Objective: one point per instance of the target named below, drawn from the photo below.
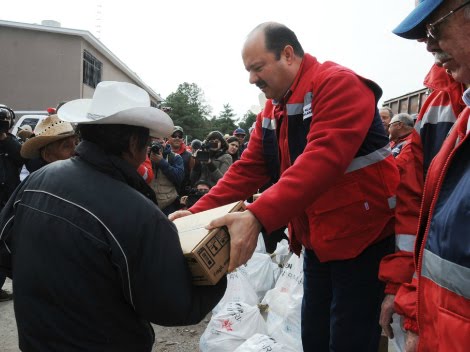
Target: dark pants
(341, 303)
(2, 280)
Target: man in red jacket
(320, 140)
(398, 268)
(436, 304)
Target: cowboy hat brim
(30, 149)
(157, 121)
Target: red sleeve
(405, 305)
(398, 268)
(145, 170)
(343, 109)
(395, 270)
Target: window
(91, 69)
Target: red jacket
(439, 112)
(337, 192)
(437, 303)
(398, 268)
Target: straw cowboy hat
(118, 103)
(49, 130)
(25, 132)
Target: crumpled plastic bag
(239, 289)
(261, 273)
(235, 323)
(283, 305)
(262, 343)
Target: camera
(193, 196)
(156, 147)
(203, 154)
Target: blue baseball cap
(239, 131)
(414, 25)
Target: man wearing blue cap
(436, 305)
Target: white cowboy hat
(49, 130)
(118, 103)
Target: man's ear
(288, 53)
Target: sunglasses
(432, 29)
(177, 135)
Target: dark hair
(233, 139)
(219, 136)
(277, 36)
(114, 139)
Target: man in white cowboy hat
(97, 261)
(53, 140)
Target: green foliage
(188, 109)
(225, 121)
(247, 121)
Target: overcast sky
(174, 41)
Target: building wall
(110, 72)
(409, 103)
(38, 69)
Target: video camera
(204, 154)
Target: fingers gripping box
(207, 252)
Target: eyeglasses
(240, 135)
(180, 136)
(432, 28)
(393, 123)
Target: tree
(247, 120)
(188, 109)
(225, 121)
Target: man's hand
(386, 313)
(411, 342)
(244, 230)
(178, 214)
(3, 136)
(156, 157)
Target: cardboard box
(207, 252)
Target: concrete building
(42, 65)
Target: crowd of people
(377, 201)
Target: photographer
(212, 160)
(168, 169)
(200, 188)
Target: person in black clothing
(94, 259)
(10, 166)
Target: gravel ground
(175, 339)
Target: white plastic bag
(232, 326)
(284, 304)
(282, 253)
(262, 343)
(239, 289)
(260, 246)
(261, 273)
(398, 340)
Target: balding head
(272, 55)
